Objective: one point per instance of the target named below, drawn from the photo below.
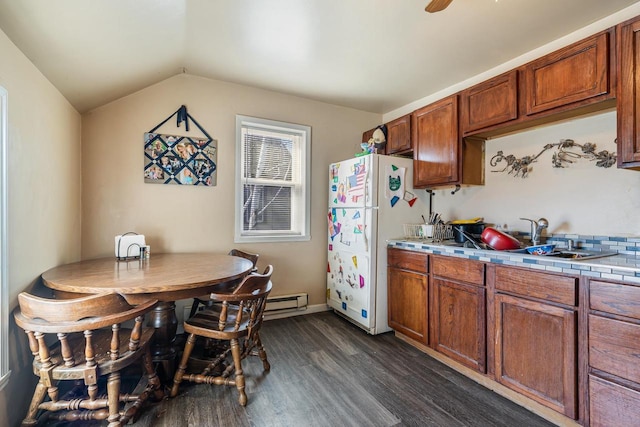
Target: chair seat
(102, 343)
(206, 324)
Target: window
(272, 180)
(4, 285)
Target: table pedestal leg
(163, 319)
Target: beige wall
(182, 219)
(44, 199)
(580, 198)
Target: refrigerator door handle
(366, 241)
(367, 196)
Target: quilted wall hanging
(181, 160)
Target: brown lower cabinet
(522, 329)
(407, 293)
(458, 310)
(535, 351)
(614, 354)
(536, 336)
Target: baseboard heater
(284, 303)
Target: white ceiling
(373, 55)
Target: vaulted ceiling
(373, 55)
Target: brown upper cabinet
(628, 34)
(575, 80)
(490, 103)
(399, 135)
(440, 156)
(436, 143)
(447, 136)
(576, 75)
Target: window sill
(271, 239)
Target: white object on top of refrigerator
(370, 198)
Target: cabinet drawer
(611, 404)
(458, 269)
(560, 289)
(615, 298)
(408, 260)
(614, 347)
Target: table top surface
(161, 274)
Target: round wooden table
(165, 277)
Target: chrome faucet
(536, 229)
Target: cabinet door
(436, 144)
(489, 103)
(407, 303)
(628, 101)
(399, 135)
(535, 351)
(576, 73)
(611, 404)
(458, 314)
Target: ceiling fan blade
(437, 5)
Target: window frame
(4, 283)
(302, 231)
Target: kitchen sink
(579, 254)
(575, 254)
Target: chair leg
(261, 352)
(113, 399)
(153, 380)
(239, 375)
(177, 379)
(153, 390)
(38, 397)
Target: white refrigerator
(370, 199)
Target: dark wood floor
(327, 372)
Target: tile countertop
(622, 267)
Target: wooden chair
(90, 344)
(237, 320)
(205, 300)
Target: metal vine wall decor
(565, 154)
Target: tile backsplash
(621, 245)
